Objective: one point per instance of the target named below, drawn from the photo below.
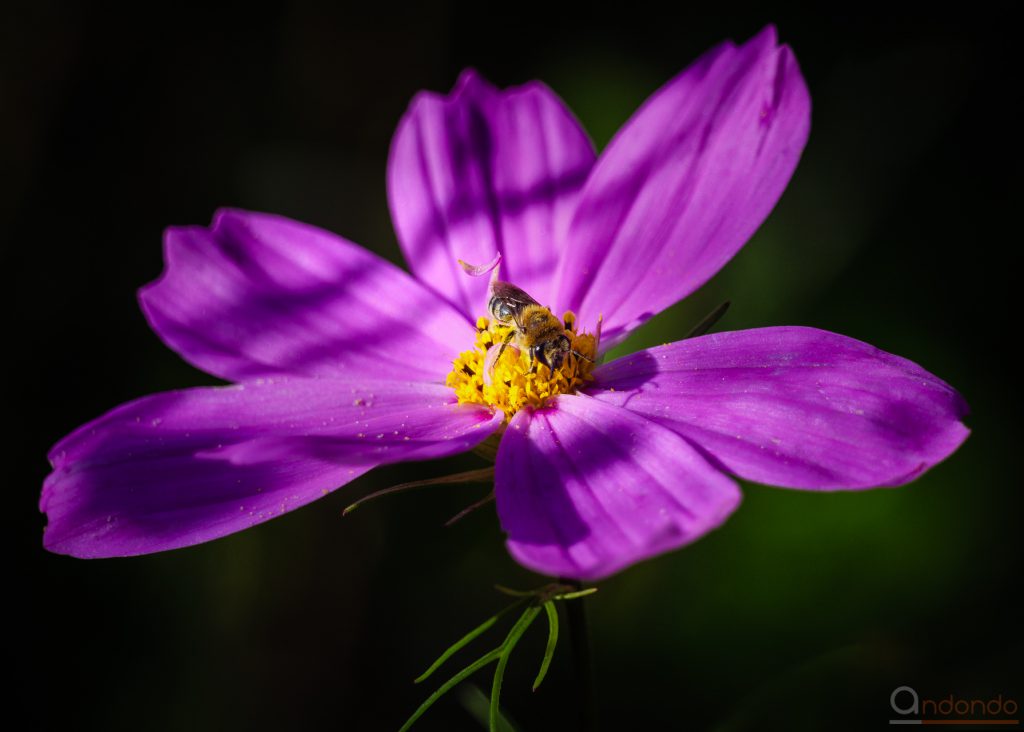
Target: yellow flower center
(515, 380)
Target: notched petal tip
(470, 80)
(469, 86)
(686, 182)
(257, 294)
(481, 170)
(767, 37)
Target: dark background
(803, 612)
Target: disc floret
(513, 380)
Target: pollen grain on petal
(511, 381)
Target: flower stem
(579, 638)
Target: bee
(535, 329)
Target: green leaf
(524, 622)
(549, 651)
(576, 594)
(455, 647)
(452, 682)
(499, 675)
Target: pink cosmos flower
(340, 359)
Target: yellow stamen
(515, 382)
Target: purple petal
(179, 468)
(259, 295)
(585, 489)
(685, 183)
(481, 172)
(794, 407)
(479, 270)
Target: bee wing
(511, 294)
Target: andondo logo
(952, 710)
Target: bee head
(501, 310)
(552, 353)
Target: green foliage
(549, 650)
(535, 601)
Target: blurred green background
(803, 612)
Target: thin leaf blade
(549, 650)
(521, 626)
(451, 683)
(465, 640)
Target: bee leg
(492, 357)
(493, 354)
(504, 344)
(533, 360)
